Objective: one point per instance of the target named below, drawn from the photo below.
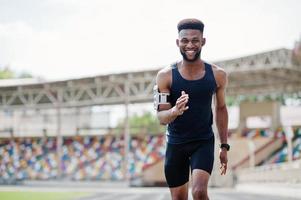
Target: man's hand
(180, 106)
(224, 160)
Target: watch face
(226, 146)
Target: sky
(62, 39)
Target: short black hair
(191, 23)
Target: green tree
(6, 73)
(147, 123)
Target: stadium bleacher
(102, 157)
(83, 157)
(281, 155)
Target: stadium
(59, 133)
(77, 98)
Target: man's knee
(199, 193)
(179, 197)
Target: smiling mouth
(190, 52)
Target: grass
(42, 195)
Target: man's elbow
(221, 108)
(163, 123)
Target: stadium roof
(264, 73)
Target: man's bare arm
(166, 112)
(221, 108)
(222, 116)
(166, 116)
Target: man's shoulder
(220, 75)
(164, 75)
(166, 70)
(218, 70)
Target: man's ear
(177, 41)
(203, 41)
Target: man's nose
(189, 44)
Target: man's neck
(192, 66)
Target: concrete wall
(283, 172)
(251, 109)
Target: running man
(183, 101)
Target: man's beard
(197, 56)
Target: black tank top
(196, 122)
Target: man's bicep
(163, 87)
(221, 90)
(220, 97)
(162, 83)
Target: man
(183, 101)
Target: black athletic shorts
(180, 157)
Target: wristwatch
(226, 146)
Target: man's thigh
(176, 165)
(203, 156)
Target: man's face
(190, 43)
